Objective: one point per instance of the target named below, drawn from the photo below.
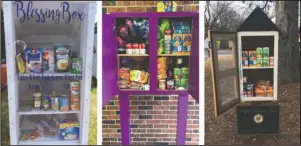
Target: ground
(221, 130)
(4, 118)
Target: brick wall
(153, 118)
(146, 6)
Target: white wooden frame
(86, 47)
(275, 70)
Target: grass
(221, 130)
(5, 127)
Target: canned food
(184, 83)
(177, 83)
(37, 100)
(75, 88)
(271, 62)
(162, 84)
(184, 72)
(265, 61)
(177, 73)
(54, 103)
(46, 103)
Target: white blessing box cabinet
(43, 24)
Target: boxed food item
(187, 42)
(259, 62)
(54, 103)
(139, 76)
(252, 58)
(62, 57)
(48, 60)
(64, 103)
(33, 57)
(259, 52)
(245, 57)
(124, 74)
(68, 130)
(177, 42)
(76, 65)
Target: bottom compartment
(49, 129)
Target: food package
(143, 77)
(62, 58)
(259, 52)
(187, 42)
(245, 61)
(33, 57)
(48, 60)
(20, 63)
(139, 76)
(64, 103)
(124, 74)
(76, 65)
(75, 88)
(161, 68)
(252, 58)
(259, 62)
(123, 84)
(266, 52)
(260, 92)
(265, 61)
(177, 40)
(68, 130)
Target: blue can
(64, 103)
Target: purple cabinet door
(109, 60)
(193, 89)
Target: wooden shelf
(49, 112)
(133, 55)
(268, 67)
(177, 54)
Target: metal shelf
(49, 76)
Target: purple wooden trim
(193, 89)
(109, 60)
(125, 119)
(153, 14)
(153, 53)
(182, 118)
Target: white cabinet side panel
(87, 48)
(276, 39)
(11, 70)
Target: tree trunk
(289, 53)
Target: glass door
(225, 70)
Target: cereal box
(69, 130)
(33, 57)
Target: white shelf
(258, 67)
(243, 98)
(49, 112)
(50, 140)
(49, 76)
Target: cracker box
(245, 60)
(187, 42)
(69, 130)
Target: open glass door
(224, 70)
(109, 60)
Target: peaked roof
(258, 21)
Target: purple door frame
(124, 95)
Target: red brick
(139, 112)
(105, 126)
(153, 102)
(153, 121)
(150, 9)
(160, 116)
(108, 112)
(138, 102)
(193, 126)
(190, 112)
(189, 121)
(139, 139)
(133, 117)
(146, 135)
(145, 3)
(114, 126)
(113, 117)
(168, 139)
(137, 121)
(154, 112)
(161, 135)
(105, 135)
(173, 98)
(106, 143)
(193, 117)
(169, 130)
(115, 135)
(153, 139)
(173, 116)
(193, 107)
(116, 143)
(113, 107)
(109, 130)
(108, 3)
(160, 126)
(170, 102)
(125, 3)
(169, 121)
(133, 98)
(189, 131)
(134, 135)
(146, 98)
(116, 9)
(146, 126)
(195, 121)
(170, 112)
(172, 126)
(138, 130)
(153, 130)
(173, 107)
(133, 107)
(161, 107)
(104, 117)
